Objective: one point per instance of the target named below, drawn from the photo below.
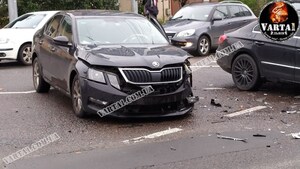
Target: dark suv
(101, 57)
(201, 24)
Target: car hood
(137, 56)
(17, 34)
(181, 25)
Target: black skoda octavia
(101, 57)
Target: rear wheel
(204, 46)
(40, 85)
(245, 73)
(77, 99)
(24, 55)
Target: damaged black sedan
(100, 57)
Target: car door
(62, 55)
(219, 23)
(297, 64)
(158, 26)
(46, 43)
(237, 17)
(277, 59)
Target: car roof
(43, 12)
(95, 12)
(213, 3)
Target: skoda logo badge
(155, 64)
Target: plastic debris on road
(212, 102)
(231, 138)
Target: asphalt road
(192, 142)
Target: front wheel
(204, 46)
(245, 73)
(24, 55)
(77, 98)
(40, 85)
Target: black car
(260, 59)
(201, 24)
(100, 57)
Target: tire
(204, 46)
(24, 55)
(245, 73)
(77, 99)
(40, 85)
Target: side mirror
(62, 41)
(178, 42)
(170, 18)
(216, 19)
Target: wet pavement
(26, 117)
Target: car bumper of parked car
(7, 52)
(223, 61)
(97, 96)
(191, 43)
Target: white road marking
(213, 66)
(213, 88)
(246, 111)
(26, 92)
(154, 135)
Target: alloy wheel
(243, 72)
(77, 102)
(36, 75)
(26, 54)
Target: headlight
(96, 75)
(4, 40)
(185, 33)
(114, 81)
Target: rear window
(246, 11)
(236, 11)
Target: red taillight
(222, 38)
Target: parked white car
(16, 37)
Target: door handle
(259, 43)
(244, 20)
(229, 23)
(298, 50)
(53, 49)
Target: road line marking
(213, 66)
(26, 92)
(154, 135)
(213, 88)
(246, 111)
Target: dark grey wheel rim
(26, 54)
(77, 102)
(203, 46)
(243, 72)
(36, 75)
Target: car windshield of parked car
(116, 30)
(26, 21)
(194, 13)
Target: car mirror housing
(217, 19)
(178, 42)
(62, 41)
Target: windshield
(113, 30)
(26, 21)
(195, 12)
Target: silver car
(201, 24)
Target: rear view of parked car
(16, 37)
(260, 59)
(201, 24)
(100, 57)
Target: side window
(52, 28)
(221, 12)
(246, 11)
(256, 28)
(235, 11)
(65, 28)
